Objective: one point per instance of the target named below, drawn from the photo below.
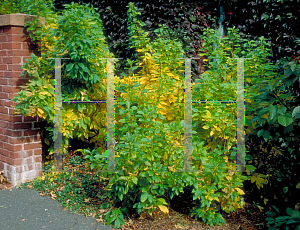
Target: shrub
(276, 128)
(144, 151)
(76, 34)
(291, 221)
(150, 122)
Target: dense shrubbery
(149, 114)
(276, 128)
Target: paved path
(28, 210)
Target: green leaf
(145, 91)
(81, 107)
(96, 78)
(69, 67)
(266, 135)
(292, 221)
(84, 68)
(296, 214)
(260, 132)
(105, 205)
(81, 124)
(264, 16)
(144, 197)
(285, 189)
(117, 223)
(278, 17)
(254, 119)
(120, 195)
(134, 68)
(281, 219)
(296, 111)
(276, 209)
(272, 111)
(282, 110)
(285, 121)
(289, 211)
(263, 111)
(128, 104)
(288, 72)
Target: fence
(20, 141)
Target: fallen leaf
(42, 194)
(163, 208)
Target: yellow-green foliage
(152, 151)
(149, 115)
(76, 34)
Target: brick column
(20, 142)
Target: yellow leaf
(208, 114)
(248, 80)
(217, 128)
(253, 178)
(265, 116)
(176, 77)
(205, 127)
(211, 132)
(298, 185)
(227, 177)
(40, 112)
(226, 159)
(240, 191)
(163, 208)
(44, 93)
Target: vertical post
(110, 116)
(188, 147)
(240, 114)
(57, 118)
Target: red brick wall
(20, 142)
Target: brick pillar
(20, 142)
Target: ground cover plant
(150, 121)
